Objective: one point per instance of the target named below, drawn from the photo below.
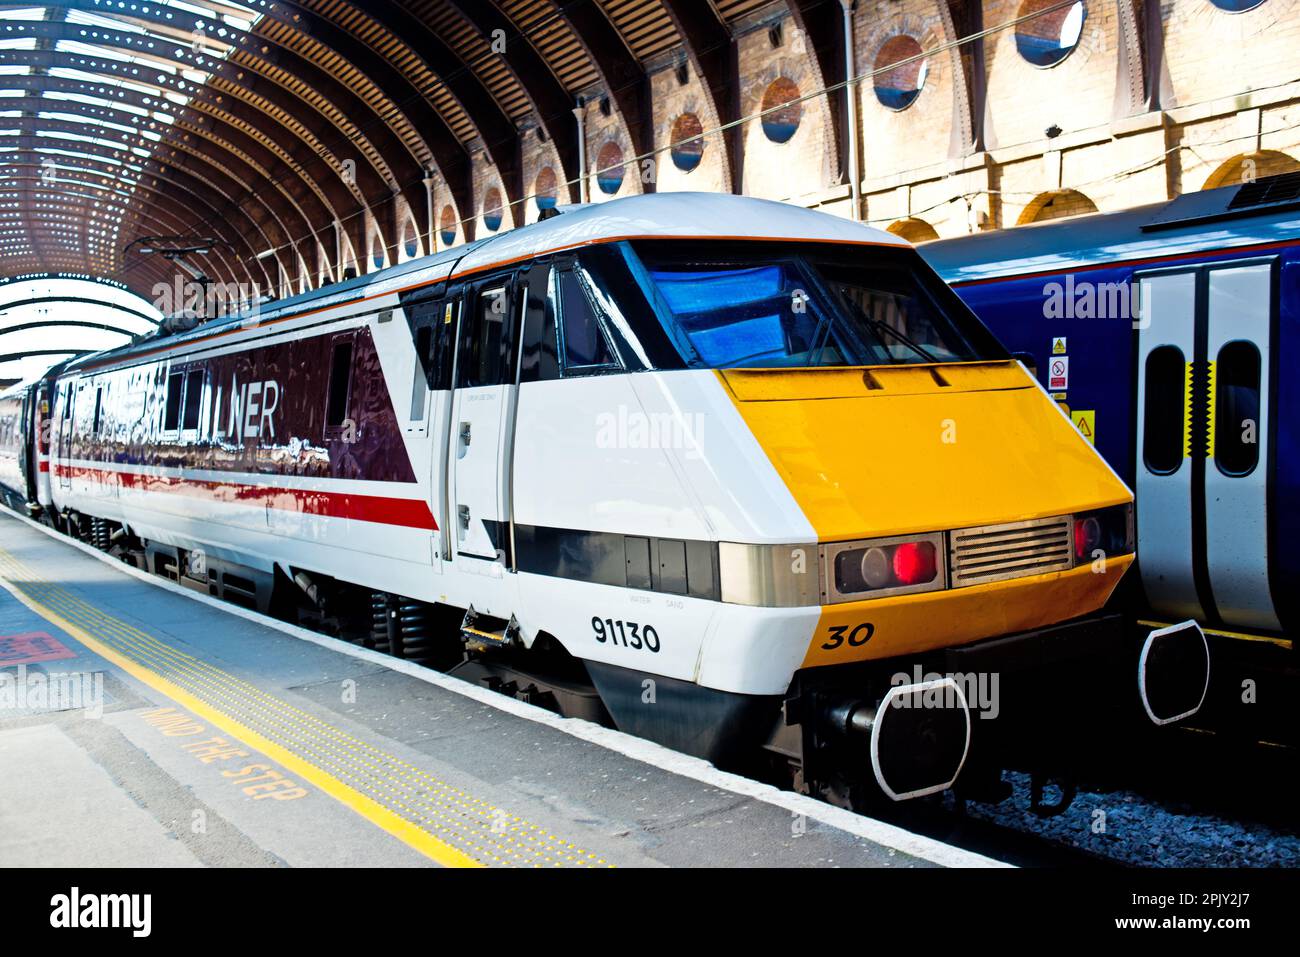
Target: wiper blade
(881, 325)
(819, 337)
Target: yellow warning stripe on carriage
(1187, 411)
(448, 826)
(1209, 413)
(1286, 643)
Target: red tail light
(1087, 536)
(914, 563)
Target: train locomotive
(739, 477)
(1168, 332)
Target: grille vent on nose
(993, 552)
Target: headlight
(1108, 530)
(783, 576)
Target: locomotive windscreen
(760, 305)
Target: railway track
(1204, 799)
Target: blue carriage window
(1236, 413)
(1163, 423)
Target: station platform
(144, 725)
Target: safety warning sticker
(1058, 345)
(1058, 374)
(1085, 420)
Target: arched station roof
(287, 136)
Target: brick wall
(918, 135)
(1229, 97)
(1210, 53)
(805, 164)
(674, 105)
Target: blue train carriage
(1169, 334)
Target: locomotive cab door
(482, 424)
(433, 320)
(1203, 444)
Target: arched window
(782, 97)
(1048, 38)
(900, 72)
(687, 142)
(1056, 204)
(492, 212)
(609, 168)
(914, 230)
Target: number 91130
(626, 633)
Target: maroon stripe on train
(380, 509)
(371, 448)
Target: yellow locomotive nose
(892, 450)
(960, 488)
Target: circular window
(609, 168)
(412, 242)
(782, 98)
(544, 188)
(687, 142)
(900, 72)
(492, 209)
(447, 225)
(1047, 39)
(1236, 6)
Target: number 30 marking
(856, 638)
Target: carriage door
(64, 448)
(433, 318)
(1203, 445)
(482, 423)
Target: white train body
(600, 461)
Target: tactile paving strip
(483, 833)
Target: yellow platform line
(367, 807)
(516, 832)
(516, 839)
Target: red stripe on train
(382, 510)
